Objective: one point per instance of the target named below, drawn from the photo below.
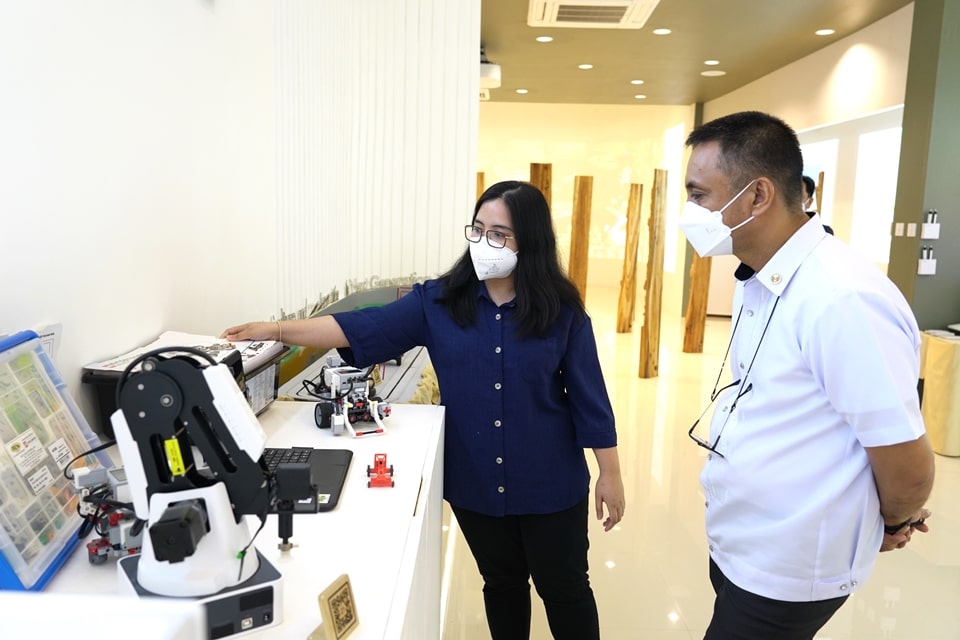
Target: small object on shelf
(380, 474)
(930, 230)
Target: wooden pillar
(695, 321)
(653, 301)
(627, 303)
(541, 177)
(580, 233)
(819, 192)
(480, 187)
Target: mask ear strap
(732, 229)
(740, 193)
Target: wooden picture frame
(338, 610)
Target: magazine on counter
(253, 353)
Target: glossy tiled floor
(650, 573)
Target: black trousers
(550, 548)
(741, 615)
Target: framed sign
(338, 610)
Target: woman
(517, 366)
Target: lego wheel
(391, 469)
(96, 558)
(368, 471)
(392, 483)
(322, 413)
(368, 484)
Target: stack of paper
(254, 353)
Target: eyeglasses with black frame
(496, 239)
(743, 390)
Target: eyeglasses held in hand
(496, 239)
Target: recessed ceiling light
(640, 96)
(824, 32)
(636, 82)
(713, 73)
(544, 39)
(711, 63)
(522, 91)
(585, 66)
(661, 32)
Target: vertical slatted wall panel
(376, 140)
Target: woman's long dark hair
(541, 285)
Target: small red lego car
(382, 474)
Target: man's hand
(900, 539)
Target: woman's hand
(609, 491)
(252, 331)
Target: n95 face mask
(705, 229)
(491, 262)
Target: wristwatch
(894, 528)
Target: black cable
(105, 445)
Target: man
(818, 455)
(809, 189)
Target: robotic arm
(192, 448)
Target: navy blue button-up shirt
(520, 411)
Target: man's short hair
(754, 144)
(810, 185)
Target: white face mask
(705, 229)
(490, 262)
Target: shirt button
(500, 489)
(854, 583)
(496, 423)
(498, 316)
(497, 386)
(709, 456)
(497, 350)
(741, 365)
(499, 460)
(749, 313)
(843, 587)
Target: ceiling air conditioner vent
(590, 14)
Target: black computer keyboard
(273, 456)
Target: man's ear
(764, 193)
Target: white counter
(386, 539)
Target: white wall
(190, 164)
(857, 75)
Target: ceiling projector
(489, 72)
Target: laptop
(328, 469)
